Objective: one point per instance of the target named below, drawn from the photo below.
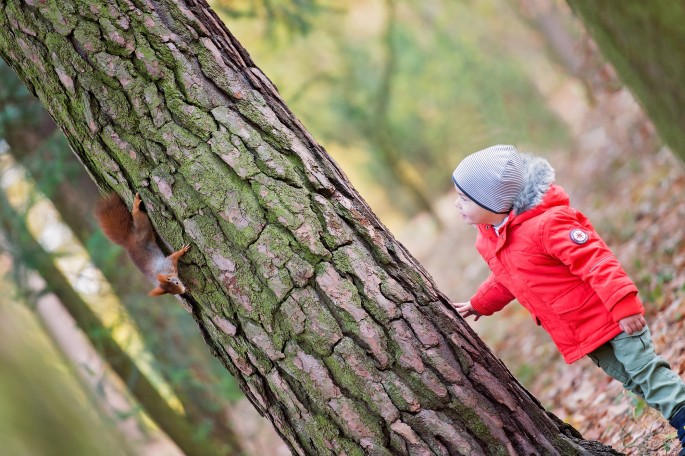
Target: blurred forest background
(397, 91)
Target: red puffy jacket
(552, 260)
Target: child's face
(473, 214)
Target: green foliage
(54, 151)
(413, 87)
(13, 96)
(279, 17)
(13, 234)
(639, 406)
(108, 252)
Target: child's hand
(632, 323)
(465, 309)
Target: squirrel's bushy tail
(114, 218)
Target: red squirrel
(134, 232)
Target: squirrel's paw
(137, 201)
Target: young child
(547, 255)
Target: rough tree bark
(643, 41)
(333, 330)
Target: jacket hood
(539, 176)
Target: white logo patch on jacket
(578, 236)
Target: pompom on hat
(492, 177)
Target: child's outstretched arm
(465, 309)
(490, 297)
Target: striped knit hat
(491, 177)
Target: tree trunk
(643, 41)
(334, 331)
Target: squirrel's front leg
(178, 254)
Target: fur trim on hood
(538, 178)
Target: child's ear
(156, 292)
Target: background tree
(643, 41)
(68, 422)
(332, 329)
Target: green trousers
(631, 360)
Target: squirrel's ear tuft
(156, 292)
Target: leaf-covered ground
(633, 190)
